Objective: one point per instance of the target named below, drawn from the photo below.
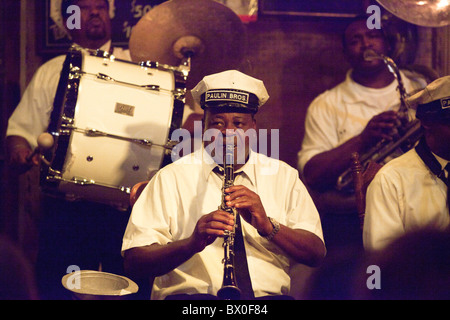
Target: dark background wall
(296, 56)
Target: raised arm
(322, 170)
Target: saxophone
(409, 132)
(229, 289)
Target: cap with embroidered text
(433, 102)
(231, 89)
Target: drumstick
(45, 141)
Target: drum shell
(131, 103)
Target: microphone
(45, 141)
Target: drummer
(81, 234)
(30, 118)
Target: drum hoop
(63, 107)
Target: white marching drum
(111, 123)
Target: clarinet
(229, 289)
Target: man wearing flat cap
(175, 232)
(411, 191)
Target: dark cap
(433, 102)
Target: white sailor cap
(433, 102)
(231, 89)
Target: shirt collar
(106, 47)
(354, 89)
(248, 168)
(442, 161)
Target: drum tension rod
(105, 77)
(96, 133)
(90, 132)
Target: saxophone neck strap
(430, 160)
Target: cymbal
(207, 31)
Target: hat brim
(229, 107)
(433, 111)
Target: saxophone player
(351, 117)
(175, 232)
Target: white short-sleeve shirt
(404, 196)
(180, 193)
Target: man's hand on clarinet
(249, 206)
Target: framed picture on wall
(314, 8)
(124, 15)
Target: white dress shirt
(182, 192)
(32, 115)
(404, 196)
(343, 112)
